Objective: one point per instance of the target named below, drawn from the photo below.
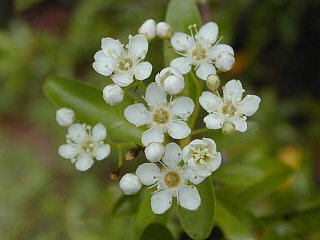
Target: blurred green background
(277, 180)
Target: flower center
(172, 179)
(125, 64)
(201, 154)
(87, 146)
(199, 53)
(229, 108)
(161, 116)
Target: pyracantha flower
(170, 80)
(164, 30)
(154, 152)
(113, 94)
(171, 181)
(130, 184)
(148, 29)
(65, 117)
(123, 64)
(161, 116)
(229, 111)
(201, 51)
(84, 144)
(202, 156)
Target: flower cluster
(171, 170)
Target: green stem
(199, 88)
(199, 131)
(120, 157)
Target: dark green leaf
(198, 224)
(156, 231)
(89, 106)
(126, 205)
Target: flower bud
(113, 94)
(224, 61)
(164, 30)
(170, 80)
(130, 184)
(65, 117)
(154, 152)
(148, 29)
(228, 128)
(213, 82)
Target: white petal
(68, 151)
(215, 163)
(214, 120)
(148, 173)
(183, 64)
(154, 95)
(216, 50)
(161, 201)
(99, 132)
(111, 47)
(210, 102)
(103, 64)
(190, 174)
(143, 70)
(138, 46)
(249, 105)
(172, 156)
(77, 132)
(181, 41)
(211, 144)
(84, 162)
(101, 152)
(137, 114)
(182, 107)
(201, 171)
(154, 134)
(122, 79)
(233, 91)
(189, 197)
(204, 70)
(209, 32)
(239, 123)
(178, 129)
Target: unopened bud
(228, 128)
(113, 94)
(65, 117)
(148, 29)
(213, 82)
(130, 184)
(170, 80)
(164, 30)
(225, 61)
(154, 152)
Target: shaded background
(42, 196)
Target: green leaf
(198, 224)
(156, 231)
(127, 205)
(89, 106)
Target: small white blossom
(130, 184)
(170, 80)
(113, 94)
(164, 30)
(154, 152)
(65, 117)
(161, 116)
(202, 156)
(213, 82)
(229, 109)
(171, 181)
(148, 29)
(84, 144)
(123, 64)
(201, 51)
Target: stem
(199, 88)
(199, 131)
(120, 157)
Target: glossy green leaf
(89, 106)
(198, 224)
(156, 231)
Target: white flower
(65, 117)
(164, 30)
(161, 116)
(113, 94)
(130, 184)
(229, 109)
(148, 29)
(154, 151)
(84, 144)
(171, 181)
(202, 156)
(213, 82)
(123, 64)
(201, 51)
(170, 80)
